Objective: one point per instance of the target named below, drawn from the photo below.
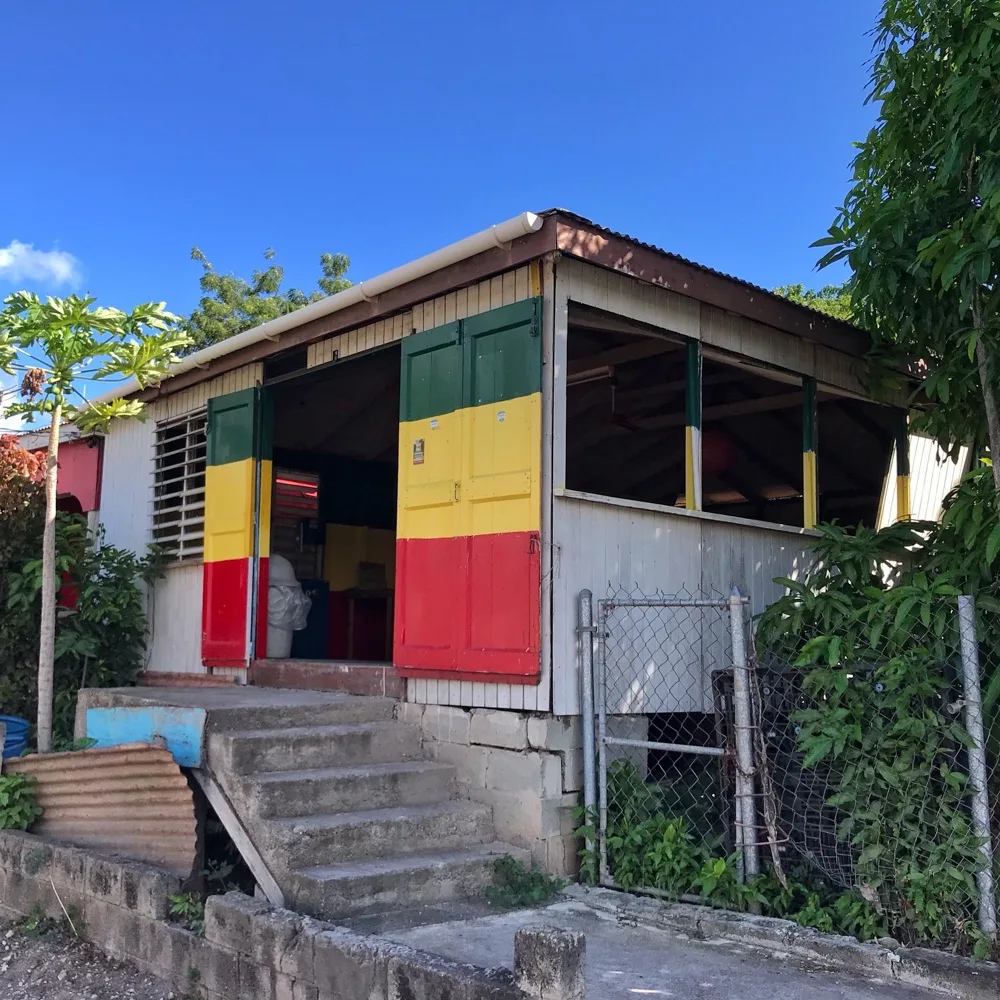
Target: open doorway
(333, 511)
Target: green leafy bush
(873, 630)
(19, 807)
(101, 642)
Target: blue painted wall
(181, 729)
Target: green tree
(920, 226)
(834, 300)
(53, 344)
(230, 304)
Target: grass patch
(518, 885)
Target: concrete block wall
(253, 950)
(528, 767)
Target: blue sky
(720, 130)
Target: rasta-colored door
(469, 509)
(238, 479)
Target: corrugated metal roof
(131, 800)
(677, 257)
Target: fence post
(746, 811)
(602, 748)
(977, 761)
(586, 634)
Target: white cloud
(22, 262)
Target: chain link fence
(850, 784)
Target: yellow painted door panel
(229, 495)
(430, 474)
(502, 468)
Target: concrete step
(385, 884)
(306, 841)
(324, 710)
(341, 789)
(309, 747)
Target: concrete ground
(630, 963)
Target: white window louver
(179, 486)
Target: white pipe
(496, 236)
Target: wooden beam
(646, 348)
(782, 401)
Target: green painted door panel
(431, 383)
(503, 353)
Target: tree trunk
(990, 401)
(47, 638)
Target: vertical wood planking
(605, 546)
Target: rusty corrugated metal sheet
(131, 800)
(680, 259)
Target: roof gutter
(496, 236)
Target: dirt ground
(54, 966)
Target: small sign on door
(418, 451)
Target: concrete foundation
(528, 768)
(250, 949)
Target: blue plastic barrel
(17, 735)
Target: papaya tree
(920, 226)
(54, 345)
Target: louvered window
(179, 486)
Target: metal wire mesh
(871, 766)
(664, 770)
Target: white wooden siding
(126, 484)
(604, 545)
(127, 511)
(175, 621)
(503, 290)
(933, 475)
(726, 332)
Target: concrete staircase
(349, 817)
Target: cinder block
(426, 977)
(562, 856)
(104, 880)
(297, 959)
(445, 724)
(13, 846)
(499, 729)
(228, 920)
(555, 732)
(531, 773)
(147, 890)
(284, 987)
(255, 982)
(572, 761)
(469, 762)
(111, 927)
(348, 965)
(303, 991)
(158, 941)
(410, 712)
(69, 868)
(272, 934)
(549, 963)
(215, 969)
(516, 816)
(557, 819)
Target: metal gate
(667, 699)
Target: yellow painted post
(903, 509)
(810, 486)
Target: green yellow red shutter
(468, 550)
(237, 482)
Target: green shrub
(19, 807)
(99, 643)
